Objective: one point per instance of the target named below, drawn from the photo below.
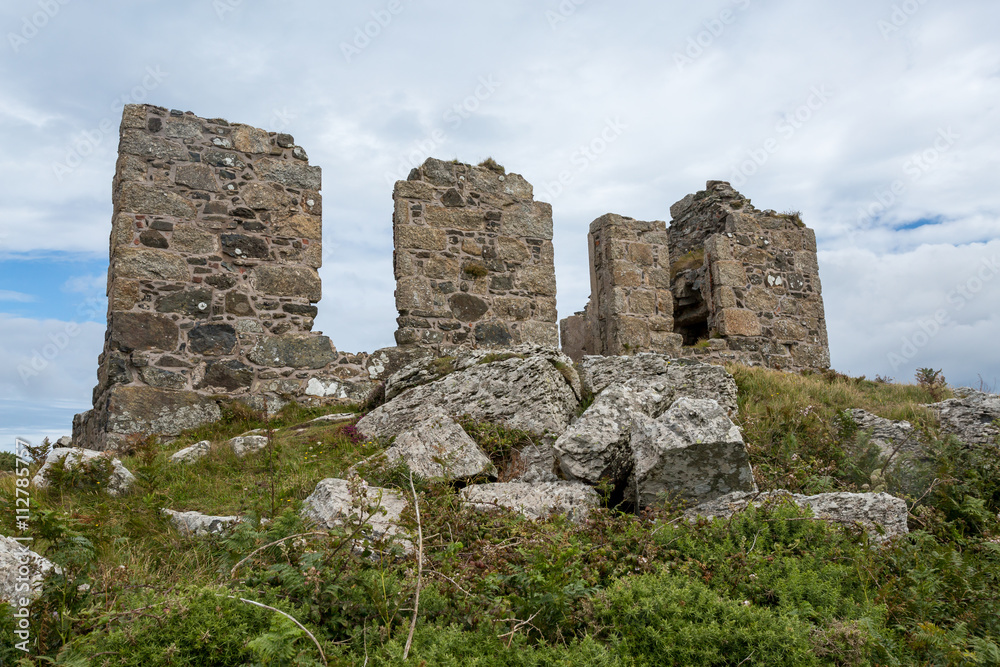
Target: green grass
(689, 260)
(769, 587)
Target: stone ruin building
(724, 282)
(473, 259)
(217, 237)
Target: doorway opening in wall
(693, 330)
(690, 309)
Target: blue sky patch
(60, 285)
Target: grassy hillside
(770, 587)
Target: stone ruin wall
(744, 283)
(215, 244)
(473, 259)
(631, 305)
(217, 237)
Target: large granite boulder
(693, 451)
(17, 584)
(679, 377)
(532, 391)
(535, 501)
(437, 448)
(597, 445)
(73, 457)
(882, 515)
(971, 416)
(332, 502)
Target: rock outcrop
(437, 448)
(896, 440)
(17, 583)
(119, 480)
(882, 515)
(535, 501)
(971, 417)
(527, 389)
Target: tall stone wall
(749, 277)
(744, 285)
(631, 306)
(215, 244)
(473, 259)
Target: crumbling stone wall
(215, 244)
(631, 306)
(473, 259)
(745, 286)
(754, 281)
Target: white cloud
(20, 297)
(891, 94)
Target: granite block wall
(473, 259)
(215, 244)
(749, 277)
(631, 305)
(743, 286)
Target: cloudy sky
(878, 120)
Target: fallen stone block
(332, 503)
(197, 524)
(118, 483)
(679, 377)
(191, 454)
(244, 445)
(534, 501)
(883, 516)
(693, 452)
(437, 448)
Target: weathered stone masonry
(473, 259)
(745, 287)
(215, 243)
(217, 237)
(631, 306)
